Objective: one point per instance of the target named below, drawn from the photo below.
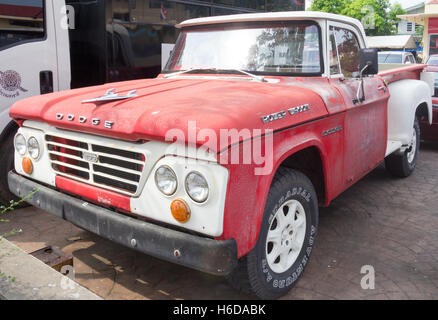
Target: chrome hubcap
(286, 236)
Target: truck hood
(168, 104)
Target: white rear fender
(406, 97)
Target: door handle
(46, 82)
(383, 88)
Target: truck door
(28, 51)
(33, 44)
(365, 124)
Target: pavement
(387, 223)
(24, 277)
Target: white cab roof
(272, 16)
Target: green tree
(419, 30)
(377, 16)
(332, 6)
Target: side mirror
(369, 61)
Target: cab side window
(21, 21)
(348, 51)
(334, 59)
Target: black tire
(7, 164)
(254, 274)
(398, 164)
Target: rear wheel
(402, 165)
(285, 241)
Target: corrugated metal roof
(392, 42)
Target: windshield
(280, 48)
(390, 58)
(433, 61)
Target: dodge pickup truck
(221, 162)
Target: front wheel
(402, 165)
(285, 241)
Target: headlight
(33, 147)
(20, 144)
(197, 187)
(166, 180)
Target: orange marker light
(27, 165)
(180, 210)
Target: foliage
(332, 6)
(4, 276)
(12, 205)
(379, 17)
(3, 209)
(419, 30)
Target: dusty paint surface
(349, 136)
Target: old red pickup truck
(221, 163)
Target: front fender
(406, 96)
(247, 192)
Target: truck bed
(399, 73)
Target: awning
(418, 18)
(398, 42)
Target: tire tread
(244, 278)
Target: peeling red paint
(355, 144)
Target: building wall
(405, 27)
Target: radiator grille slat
(118, 168)
(100, 165)
(121, 163)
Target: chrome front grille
(106, 167)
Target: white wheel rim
(413, 147)
(286, 236)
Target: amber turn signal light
(180, 210)
(27, 165)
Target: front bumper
(203, 254)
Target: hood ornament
(110, 96)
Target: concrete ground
(387, 223)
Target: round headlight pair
(166, 180)
(32, 146)
(20, 144)
(196, 185)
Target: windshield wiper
(187, 71)
(258, 78)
